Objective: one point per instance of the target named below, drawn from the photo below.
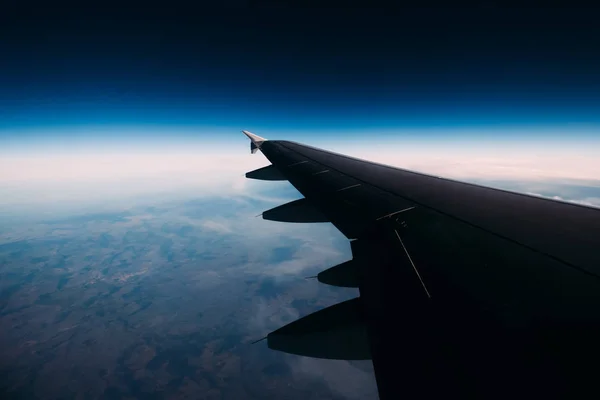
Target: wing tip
(254, 138)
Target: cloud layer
(74, 177)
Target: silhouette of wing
(464, 290)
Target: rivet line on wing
(348, 187)
(297, 163)
(395, 212)
(413, 264)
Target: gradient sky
(158, 96)
(140, 108)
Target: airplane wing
(464, 290)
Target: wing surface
(464, 290)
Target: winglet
(255, 141)
(255, 138)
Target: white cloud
(317, 251)
(341, 377)
(489, 162)
(71, 179)
(271, 315)
(219, 227)
(74, 180)
(586, 201)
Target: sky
(106, 108)
(104, 103)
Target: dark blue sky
(270, 66)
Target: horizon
(135, 262)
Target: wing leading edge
(464, 290)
